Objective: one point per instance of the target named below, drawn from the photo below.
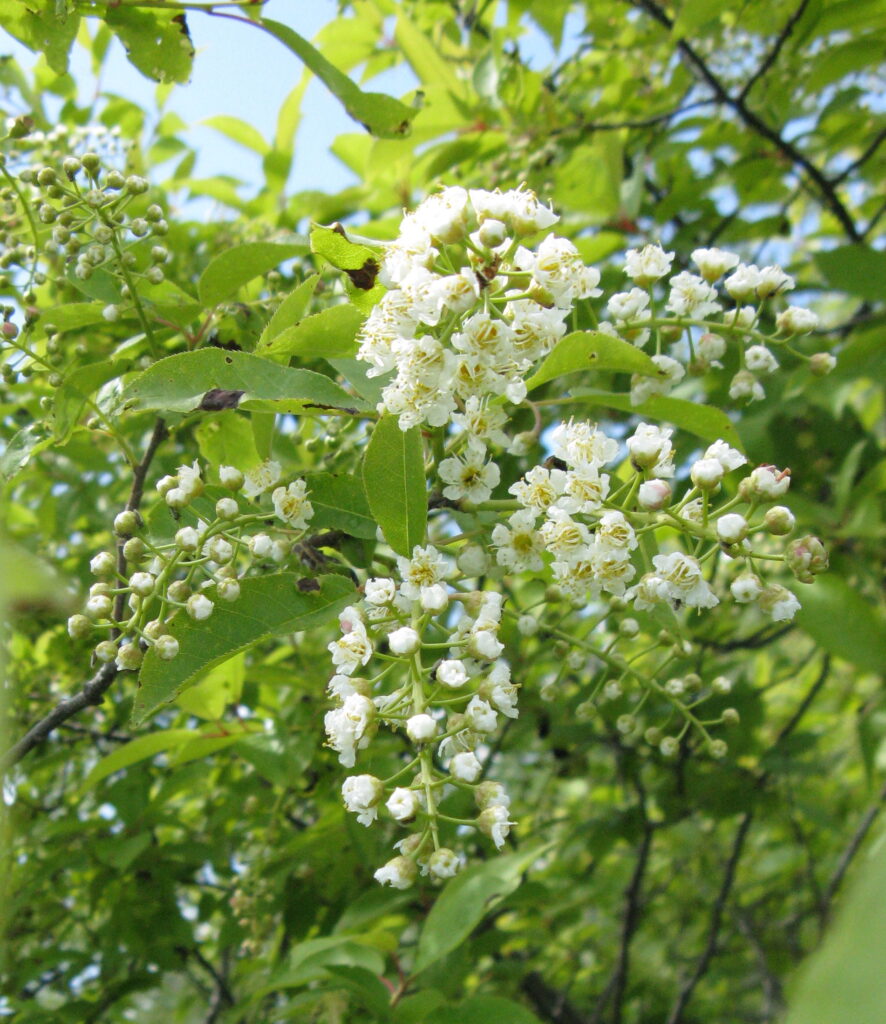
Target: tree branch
(94, 689)
(773, 54)
(755, 122)
(875, 144)
(851, 850)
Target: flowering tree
(415, 590)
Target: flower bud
(806, 557)
(766, 483)
(628, 628)
(227, 508)
(230, 477)
(731, 716)
(103, 564)
(466, 766)
(403, 804)
(653, 495)
(745, 588)
(219, 550)
(778, 602)
(779, 521)
(718, 749)
(79, 627)
(176, 498)
(199, 607)
(129, 657)
(126, 522)
(721, 684)
(443, 863)
(228, 590)
(99, 607)
(451, 673)
(707, 474)
(261, 545)
(421, 728)
(105, 651)
(472, 561)
(821, 364)
(669, 746)
(178, 590)
(732, 528)
(165, 484)
(404, 641)
(187, 539)
(142, 583)
(399, 873)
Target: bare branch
(773, 54)
(851, 850)
(875, 144)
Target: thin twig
(773, 54)
(875, 144)
(94, 689)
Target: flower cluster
(422, 659)
(568, 517)
(147, 584)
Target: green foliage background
(200, 867)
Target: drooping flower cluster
(406, 662)
(147, 584)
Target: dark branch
(875, 144)
(703, 962)
(851, 850)
(773, 54)
(94, 689)
(753, 121)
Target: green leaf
(238, 131)
(358, 261)
(157, 42)
(394, 478)
(50, 30)
(704, 421)
(591, 350)
(73, 316)
(856, 269)
(76, 390)
(290, 311)
(179, 384)
(139, 749)
(380, 115)
(268, 605)
(843, 622)
(309, 959)
(21, 446)
(340, 504)
(327, 334)
(482, 1010)
(466, 900)
(847, 971)
(233, 268)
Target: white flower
(425, 569)
(261, 478)
(690, 296)
(493, 822)
(615, 532)
(361, 794)
(745, 385)
(444, 216)
(434, 598)
(189, 481)
(539, 489)
(582, 445)
(564, 537)
(746, 587)
(399, 873)
(466, 766)
(483, 420)
(403, 804)
(452, 672)
(709, 348)
(773, 280)
(484, 645)
(380, 591)
(684, 581)
(713, 263)
(729, 458)
(469, 475)
(584, 490)
(226, 508)
(292, 506)
(353, 648)
(142, 583)
(650, 447)
(219, 550)
(519, 545)
(404, 641)
(732, 528)
(743, 283)
(758, 359)
(199, 607)
(228, 590)
(796, 320)
(558, 271)
(779, 603)
(346, 727)
(769, 483)
(261, 545)
(648, 264)
(501, 691)
(443, 863)
(103, 564)
(481, 715)
(670, 372)
(421, 728)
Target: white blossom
(362, 794)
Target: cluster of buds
(439, 680)
(142, 589)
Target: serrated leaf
(290, 311)
(340, 504)
(179, 384)
(843, 622)
(233, 268)
(157, 42)
(591, 350)
(328, 334)
(381, 115)
(704, 421)
(466, 900)
(76, 390)
(394, 478)
(268, 605)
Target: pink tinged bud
(806, 557)
(421, 728)
(653, 495)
